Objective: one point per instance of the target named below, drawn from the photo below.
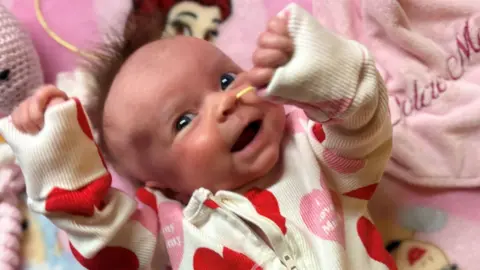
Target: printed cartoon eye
(210, 35)
(181, 28)
(226, 79)
(25, 224)
(4, 74)
(183, 121)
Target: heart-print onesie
(337, 142)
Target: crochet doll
(20, 75)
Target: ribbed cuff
(61, 155)
(323, 67)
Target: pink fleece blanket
(428, 52)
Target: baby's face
(172, 119)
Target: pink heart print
(171, 216)
(322, 213)
(297, 122)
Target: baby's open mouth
(247, 136)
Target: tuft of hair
(107, 60)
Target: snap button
(225, 200)
(289, 262)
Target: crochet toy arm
(336, 83)
(67, 181)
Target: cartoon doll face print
(196, 18)
(418, 255)
(193, 19)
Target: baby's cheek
(195, 151)
(201, 150)
(200, 159)
(277, 118)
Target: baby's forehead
(177, 54)
(171, 63)
(169, 60)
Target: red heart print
(373, 243)
(108, 258)
(82, 201)
(147, 198)
(267, 205)
(207, 259)
(363, 193)
(317, 130)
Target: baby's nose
(226, 105)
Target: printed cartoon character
(41, 247)
(196, 18)
(410, 253)
(418, 255)
(33, 248)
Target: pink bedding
(86, 22)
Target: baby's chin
(268, 167)
(263, 174)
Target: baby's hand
(28, 117)
(274, 49)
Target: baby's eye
(226, 79)
(183, 121)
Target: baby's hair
(140, 29)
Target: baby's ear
(144, 27)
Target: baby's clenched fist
(274, 49)
(28, 117)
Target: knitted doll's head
(20, 75)
(20, 71)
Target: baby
(259, 189)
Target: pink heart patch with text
(171, 216)
(322, 213)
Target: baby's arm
(335, 82)
(68, 182)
